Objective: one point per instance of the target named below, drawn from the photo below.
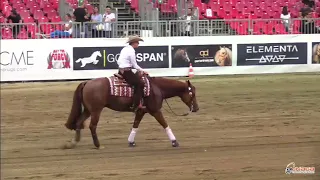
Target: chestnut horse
(92, 96)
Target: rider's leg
(138, 94)
(133, 79)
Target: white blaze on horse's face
(187, 57)
(189, 98)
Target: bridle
(190, 103)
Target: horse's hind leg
(95, 116)
(80, 124)
(159, 117)
(135, 126)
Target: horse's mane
(165, 83)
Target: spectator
(205, 1)
(309, 3)
(108, 18)
(15, 18)
(307, 25)
(79, 15)
(190, 4)
(188, 23)
(67, 29)
(87, 18)
(285, 16)
(97, 19)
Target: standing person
(310, 3)
(15, 18)
(108, 18)
(80, 17)
(307, 24)
(86, 26)
(187, 24)
(97, 19)
(285, 16)
(126, 62)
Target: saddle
(119, 87)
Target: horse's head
(181, 55)
(97, 53)
(223, 57)
(189, 97)
(316, 53)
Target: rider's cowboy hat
(134, 39)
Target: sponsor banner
(316, 53)
(18, 60)
(201, 55)
(28, 60)
(95, 58)
(272, 54)
(58, 59)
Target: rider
(127, 62)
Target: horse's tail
(78, 60)
(76, 109)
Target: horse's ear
(188, 82)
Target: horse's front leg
(135, 126)
(159, 117)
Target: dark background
(81, 52)
(242, 54)
(193, 53)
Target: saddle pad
(119, 87)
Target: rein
(185, 114)
(171, 111)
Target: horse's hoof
(69, 146)
(100, 147)
(132, 144)
(175, 143)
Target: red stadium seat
(197, 3)
(24, 13)
(56, 19)
(47, 8)
(214, 6)
(28, 19)
(33, 30)
(242, 29)
(7, 10)
(90, 8)
(165, 8)
(52, 14)
(43, 20)
(19, 5)
(34, 8)
(2, 19)
(6, 33)
(23, 35)
(38, 14)
(280, 29)
(234, 13)
(32, 5)
(227, 8)
(47, 28)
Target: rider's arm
(134, 61)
